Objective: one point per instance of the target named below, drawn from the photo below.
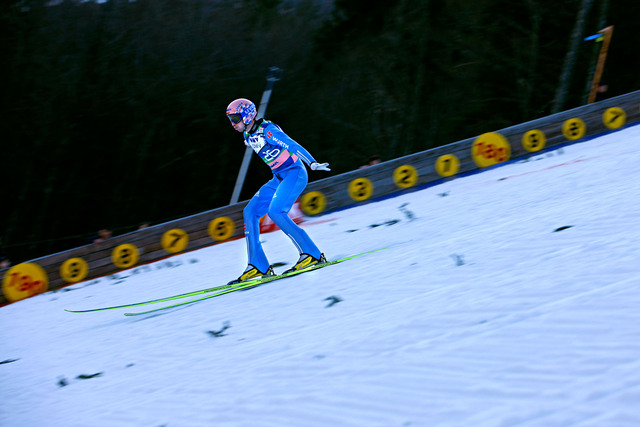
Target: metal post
(272, 77)
(572, 54)
(607, 32)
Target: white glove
(319, 166)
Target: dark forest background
(112, 114)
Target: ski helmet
(242, 109)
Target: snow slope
(478, 313)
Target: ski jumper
(275, 198)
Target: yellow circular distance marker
(614, 118)
(221, 228)
(313, 203)
(490, 149)
(447, 165)
(534, 140)
(405, 176)
(125, 255)
(175, 240)
(23, 281)
(360, 189)
(74, 270)
(574, 129)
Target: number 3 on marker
(360, 189)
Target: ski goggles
(234, 118)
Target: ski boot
(252, 273)
(306, 261)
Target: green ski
(252, 284)
(135, 304)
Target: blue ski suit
(275, 198)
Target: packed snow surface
(506, 298)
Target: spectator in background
(103, 234)
(373, 160)
(4, 260)
(602, 92)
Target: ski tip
(139, 313)
(144, 312)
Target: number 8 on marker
(125, 256)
